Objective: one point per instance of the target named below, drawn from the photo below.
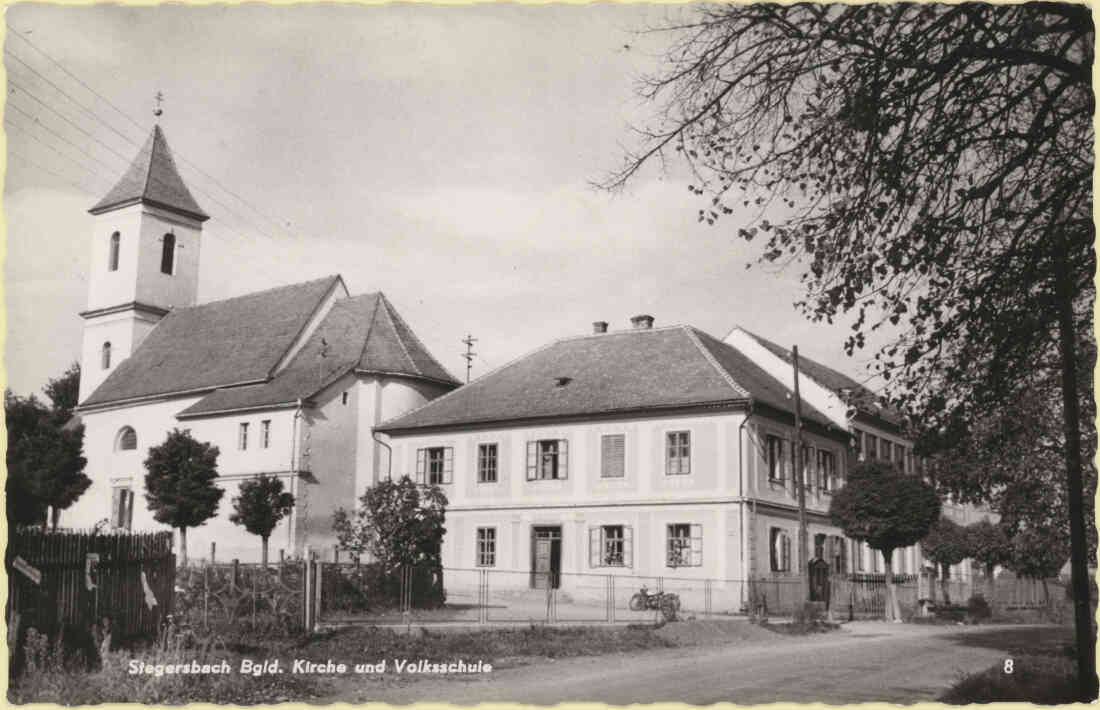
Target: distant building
(285, 382)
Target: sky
(441, 154)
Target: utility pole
(469, 340)
(800, 477)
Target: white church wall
(109, 468)
(329, 455)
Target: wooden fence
(78, 579)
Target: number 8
(1008, 665)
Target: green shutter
(448, 464)
(563, 458)
(628, 546)
(594, 544)
(532, 460)
(421, 457)
(696, 545)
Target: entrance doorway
(546, 556)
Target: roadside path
(864, 662)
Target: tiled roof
(625, 371)
(863, 399)
(363, 333)
(152, 178)
(215, 344)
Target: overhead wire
(84, 84)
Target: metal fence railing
(353, 592)
(251, 596)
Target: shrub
(1037, 679)
(977, 608)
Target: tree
(1038, 553)
(180, 486)
(397, 522)
(888, 510)
(262, 503)
(931, 167)
(45, 462)
(991, 545)
(64, 391)
(946, 544)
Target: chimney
(642, 322)
(599, 326)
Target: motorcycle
(667, 602)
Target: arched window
(112, 254)
(105, 356)
(168, 254)
(126, 439)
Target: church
(286, 382)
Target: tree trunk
(946, 570)
(991, 587)
(893, 610)
(183, 547)
(263, 555)
(1086, 644)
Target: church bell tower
(145, 259)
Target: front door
(545, 556)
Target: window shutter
(421, 457)
(563, 458)
(448, 463)
(774, 549)
(613, 454)
(594, 545)
(532, 460)
(696, 545)
(628, 546)
(129, 498)
(786, 552)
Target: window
(899, 456)
(434, 466)
(547, 459)
(872, 446)
(126, 439)
(808, 473)
(826, 469)
(838, 557)
(105, 356)
(122, 508)
(775, 458)
(780, 550)
(678, 459)
(265, 434)
(112, 252)
(486, 547)
(611, 546)
(486, 463)
(242, 436)
(168, 254)
(819, 546)
(613, 456)
(857, 556)
(685, 545)
(344, 399)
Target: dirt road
(863, 662)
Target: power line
(125, 160)
(183, 158)
(58, 89)
(44, 169)
(12, 124)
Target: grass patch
(1039, 679)
(489, 646)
